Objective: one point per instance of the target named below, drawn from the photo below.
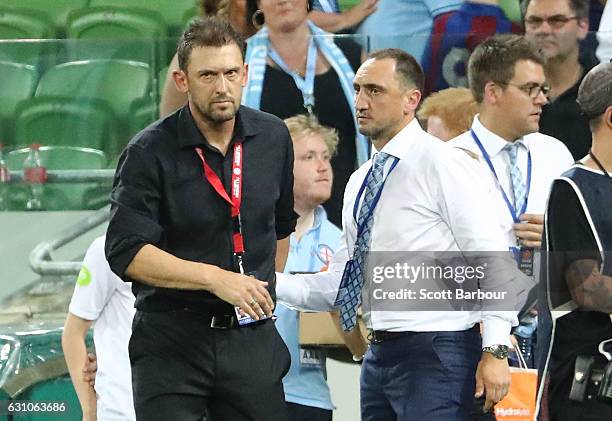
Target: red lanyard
(236, 191)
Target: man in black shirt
(202, 199)
(557, 28)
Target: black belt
(214, 321)
(378, 336)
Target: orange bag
(520, 402)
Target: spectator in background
(448, 113)
(455, 35)
(405, 24)
(103, 300)
(557, 27)
(311, 247)
(292, 72)
(324, 13)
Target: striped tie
(349, 293)
(518, 183)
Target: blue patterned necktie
(518, 184)
(349, 293)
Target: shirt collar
(492, 143)
(399, 144)
(189, 135)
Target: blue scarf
(257, 52)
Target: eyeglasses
(532, 89)
(555, 21)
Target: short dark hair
(595, 93)
(407, 68)
(580, 8)
(494, 61)
(206, 32)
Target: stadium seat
(18, 25)
(61, 121)
(17, 82)
(173, 12)
(118, 82)
(56, 196)
(24, 24)
(56, 10)
(139, 32)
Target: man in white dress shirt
(507, 80)
(421, 364)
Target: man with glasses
(506, 76)
(557, 27)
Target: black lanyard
(601, 167)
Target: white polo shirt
(100, 296)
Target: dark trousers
(421, 376)
(299, 412)
(184, 370)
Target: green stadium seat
(62, 121)
(18, 25)
(57, 196)
(24, 24)
(56, 10)
(139, 31)
(17, 83)
(118, 82)
(173, 12)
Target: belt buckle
(373, 337)
(222, 322)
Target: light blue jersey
(305, 383)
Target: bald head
(595, 92)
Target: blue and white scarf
(257, 52)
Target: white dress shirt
(549, 159)
(427, 204)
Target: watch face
(498, 351)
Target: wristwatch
(498, 351)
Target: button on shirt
(161, 197)
(430, 202)
(549, 159)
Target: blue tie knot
(379, 159)
(512, 151)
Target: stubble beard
(217, 117)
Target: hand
(361, 11)
(530, 230)
(513, 341)
(90, 369)
(246, 292)
(492, 378)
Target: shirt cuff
(287, 292)
(496, 332)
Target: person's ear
(583, 28)
(412, 100)
(180, 80)
(491, 93)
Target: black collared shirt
(563, 120)
(160, 197)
